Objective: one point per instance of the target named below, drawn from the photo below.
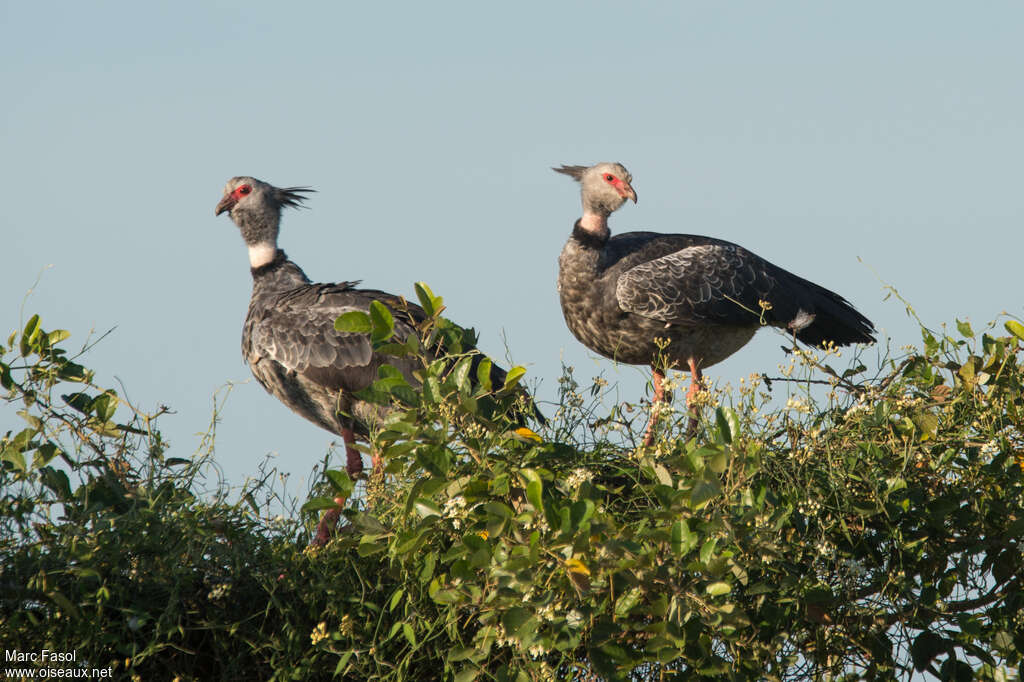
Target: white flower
(218, 591)
(319, 633)
(798, 405)
(454, 510)
(577, 477)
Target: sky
(858, 145)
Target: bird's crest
(577, 172)
(293, 196)
(574, 172)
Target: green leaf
(719, 462)
(707, 551)
(382, 320)
(425, 508)
(580, 513)
(340, 482)
(105, 405)
(683, 539)
(957, 671)
(513, 376)
(483, 374)
(965, 329)
(466, 674)
(71, 371)
(728, 423)
(515, 618)
(662, 474)
(704, 491)
(315, 504)
(718, 589)
(64, 603)
(625, 603)
(966, 371)
(15, 457)
(1015, 328)
(340, 668)
(926, 423)
(460, 375)
(431, 304)
(355, 322)
(534, 489)
(926, 647)
(410, 634)
(45, 453)
(57, 481)
(29, 336)
(677, 538)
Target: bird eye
(608, 177)
(244, 189)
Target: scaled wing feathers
(298, 332)
(703, 283)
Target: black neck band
(587, 238)
(267, 268)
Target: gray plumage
(297, 355)
(704, 295)
(289, 339)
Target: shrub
(869, 528)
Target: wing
(298, 332)
(714, 282)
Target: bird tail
(823, 316)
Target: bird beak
(630, 192)
(228, 202)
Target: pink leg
(657, 377)
(353, 458)
(696, 386)
(354, 467)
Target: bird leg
(353, 458)
(696, 386)
(657, 377)
(353, 467)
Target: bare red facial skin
(615, 182)
(241, 191)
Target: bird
(625, 296)
(289, 339)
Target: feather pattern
(706, 296)
(289, 338)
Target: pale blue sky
(811, 133)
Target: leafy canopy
(868, 529)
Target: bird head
(255, 206)
(604, 186)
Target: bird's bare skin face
(255, 207)
(604, 187)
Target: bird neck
(278, 274)
(259, 226)
(262, 253)
(592, 230)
